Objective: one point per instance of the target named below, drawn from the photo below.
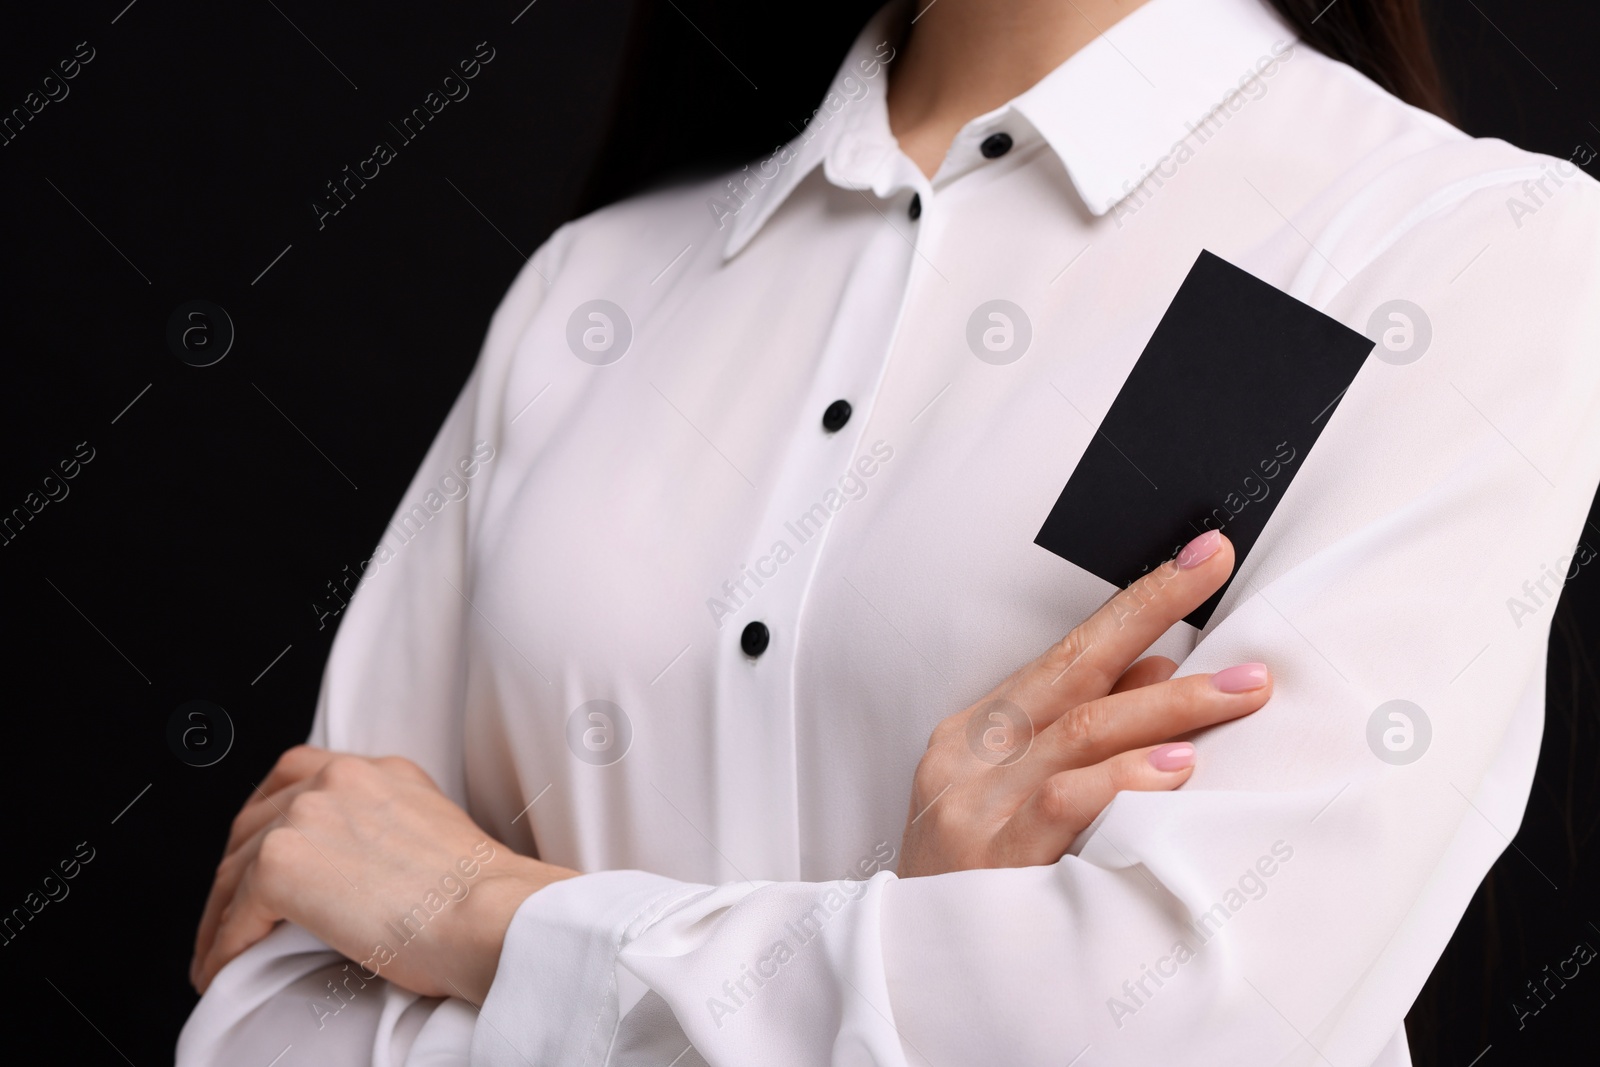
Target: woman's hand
(371, 857)
(1012, 780)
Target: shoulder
(632, 241)
(616, 253)
(1380, 178)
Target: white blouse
(638, 469)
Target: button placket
(803, 503)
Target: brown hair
(1387, 40)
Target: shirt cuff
(554, 997)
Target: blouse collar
(1112, 112)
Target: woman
(713, 590)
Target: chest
(649, 510)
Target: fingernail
(1174, 757)
(1241, 679)
(1200, 549)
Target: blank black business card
(1216, 418)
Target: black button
(836, 416)
(915, 210)
(995, 145)
(755, 638)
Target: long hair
(703, 88)
(1387, 40)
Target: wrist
(491, 905)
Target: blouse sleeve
(393, 685)
(1287, 904)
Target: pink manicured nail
(1200, 549)
(1241, 679)
(1173, 757)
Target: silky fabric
(637, 470)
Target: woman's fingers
(245, 921)
(1098, 729)
(1090, 660)
(1082, 760)
(1064, 804)
(224, 887)
(294, 772)
(298, 770)
(1148, 671)
(1033, 763)
(262, 809)
(260, 814)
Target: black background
(189, 552)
